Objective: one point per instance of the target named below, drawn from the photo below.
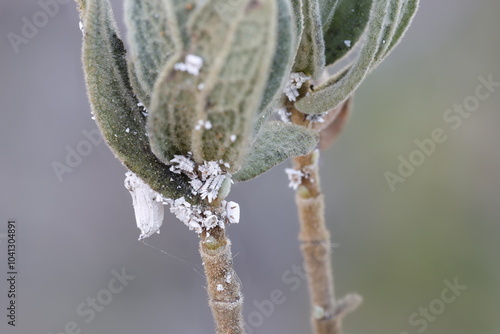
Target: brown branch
(316, 251)
(223, 286)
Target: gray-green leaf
(282, 63)
(389, 20)
(347, 26)
(327, 9)
(211, 114)
(310, 58)
(115, 106)
(276, 142)
(407, 13)
(328, 97)
(154, 37)
(389, 30)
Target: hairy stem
(316, 249)
(223, 285)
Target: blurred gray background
(395, 248)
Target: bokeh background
(395, 248)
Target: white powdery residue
(198, 218)
(147, 203)
(220, 287)
(233, 212)
(203, 124)
(193, 216)
(192, 64)
(180, 67)
(185, 213)
(181, 209)
(228, 277)
(194, 226)
(199, 125)
(284, 115)
(307, 172)
(347, 43)
(196, 184)
(319, 312)
(201, 86)
(210, 188)
(210, 220)
(208, 169)
(206, 179)
(144, 111)
(317, 118)
(295, 177)
(233, 138)
(293, 85)
(182, 165)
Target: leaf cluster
(151, 104)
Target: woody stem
(223, 285)
(314, 238)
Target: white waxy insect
(295, 177)
(192, 64)
(210, 188)
(284, 115)
(194, 226)
(233, 212)
(293, 85)
(228, 277)
(210, 221)
(147, 203)
(203, 124)
(196, 184)
(182, 164)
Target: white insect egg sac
(147, 203)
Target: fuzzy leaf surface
(310, 58)
(282, 63)
(237, 47)
(389, 29)
(408, 10)
(276, 142)
(327, 9)
(347, 26)
(115, 106)
(153, 36)
(298, 19)
(327, 97)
